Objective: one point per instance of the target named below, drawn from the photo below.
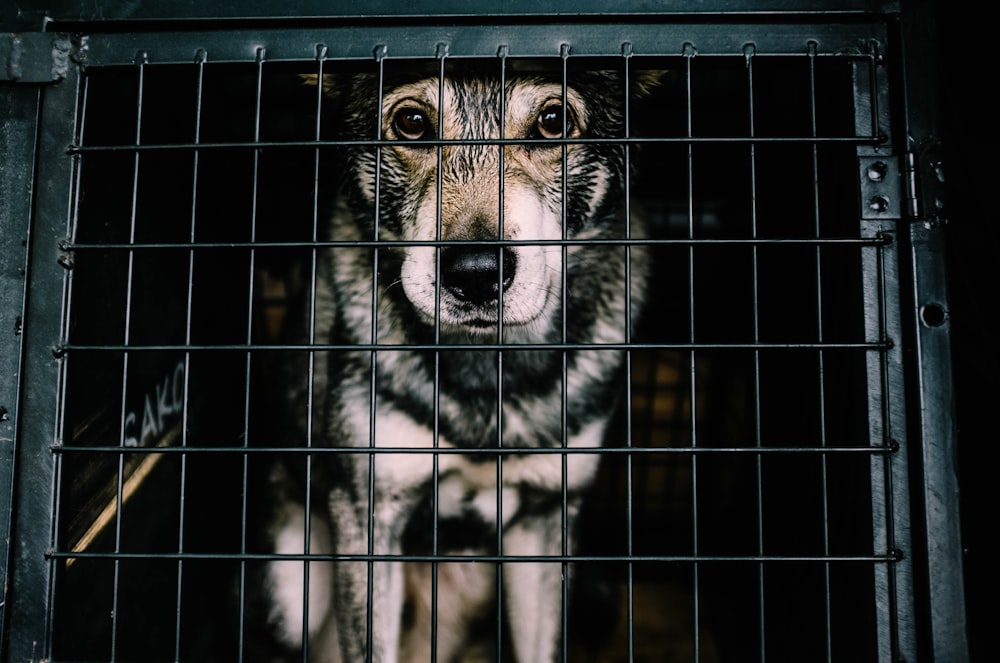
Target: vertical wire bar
(564, 52)
(629, 520)
(56, 527)
(689, 54)
(57, 483)
(311, 329)
(886, 377)
(748, 54)
(820, 358)
(141, 60)
(379, 54)
(246, 409)
(259, 61)
(442, 55)
(200, 75)
(64, 335)
(502, 53)
(259, 58)
(874, 93)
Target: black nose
(473, 273)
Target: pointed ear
(328, 81)
(645, 81)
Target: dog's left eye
(550, 122)
(411, 124)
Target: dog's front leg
(533, 591)
(361, 586)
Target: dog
(477, 259)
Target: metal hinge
(910, 186)
(34, 57)
(925, 184)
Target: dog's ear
(645, 81)
(329, 81)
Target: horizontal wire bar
(381, 243)
(868, 346)
(477, 451)
(428, 143)
(521, 559)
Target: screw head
(878, 204)
(877, 171)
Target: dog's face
(472, 160)
(468, 198)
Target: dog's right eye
(411, 124)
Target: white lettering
(164, 408)
(149, 425)
(160, 407)
(179, 387)
(130, 439)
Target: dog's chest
(470, 498)
(485, 484)
(467, 400)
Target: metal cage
(779, 484)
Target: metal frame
(113, 14)
(17, 142)
(35, 228)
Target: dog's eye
(411, 124)
(550, 122)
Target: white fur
(287, 578)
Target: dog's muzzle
(470, 280)
(477, 274)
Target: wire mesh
(732, 516)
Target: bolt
(878, 204)
(877, 171)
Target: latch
(34, 57)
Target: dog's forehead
(472, 105)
